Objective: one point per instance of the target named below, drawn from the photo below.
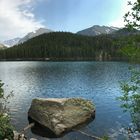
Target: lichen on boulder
(61, 115)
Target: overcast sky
(18, 17)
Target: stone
(18, 136)
(61, 115)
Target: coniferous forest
(68, 46)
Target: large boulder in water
(61, 115)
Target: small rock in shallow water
(18, 136)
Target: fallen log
(27, 127)
(21, 136)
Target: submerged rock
(61, 115)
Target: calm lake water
(97, 81)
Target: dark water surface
(97, 81)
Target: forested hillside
(68, 46)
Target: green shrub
(131, 97)
(6, 129)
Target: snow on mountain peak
(34, 34)
(11, 42)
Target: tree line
(68, 46)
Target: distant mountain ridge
(126, 32)
(11, 42)
(16, 41)
(92, 31)
(98, 30)
(2, 47)
(34, 34)
(113, 31)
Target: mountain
(64, 46)
(11, 42)
(34, 34)
(2, 47)
(98, 30)
(126, 32)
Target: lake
(96, 81)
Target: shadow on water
(43, 131)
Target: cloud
(17, 18)
(119, 22)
